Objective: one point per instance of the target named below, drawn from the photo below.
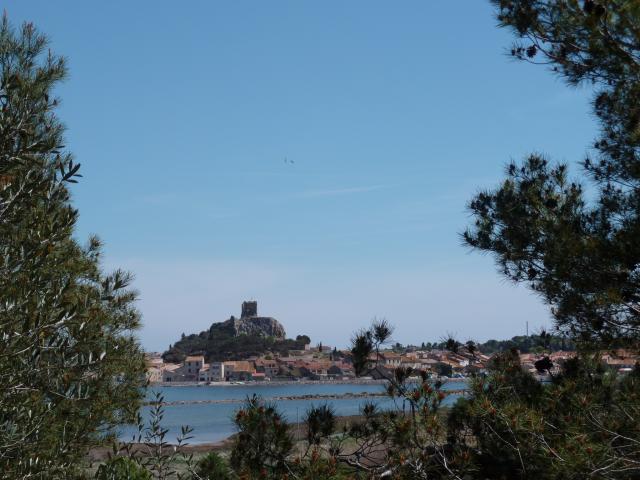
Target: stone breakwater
(331, 396)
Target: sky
(314, 156)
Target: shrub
(121, 468)
(213, 467)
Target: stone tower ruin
(249, 309)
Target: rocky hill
(237, 338)
(261, 326)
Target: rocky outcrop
(260, 326)
(250, 323)
(237, 339)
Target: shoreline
(101, 453)
(278, 383)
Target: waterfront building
(216, 371)
(171, 372)
(240, 370)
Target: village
(324, 363)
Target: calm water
(213, 422)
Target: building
(203, 374)
(216, 371)
(270, 368)
(189, 371)
(238, 370)
(154, 374)
(154, 366)
(391, 359)
(172, 372)
(192, 366)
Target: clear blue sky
(393, 114)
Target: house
(269, 367)
(154, 374)
(203, 374)
(459, 359)
(411, 363)
(318, 369)
(446, 367)
(171, 372)
(477, 368)
(189, 371)
(288, 361)
(428, 363)
(154, 366)
(621, 364)
(240, 370)
(192, 366)
(391, 359)
(216, 371)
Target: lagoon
(212, 422)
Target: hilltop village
(323, 362)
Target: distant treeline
(523, 343)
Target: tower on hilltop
(249, 309)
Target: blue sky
(314, 156)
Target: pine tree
(579, 251)
(70, 368)
(578, 246)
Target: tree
(581, 425)
(264, 441)
(70, 367)
(578, 248)
(304, 339)
(579, 251)
(444, 369)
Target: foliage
(213, 467)
(151, 450)
(119, 468)
(404, 442)
(366, 346)
(444, 369)
(70, 368)
(220, 343)
(578, 250)
(576, 245)
(263, 442)
(534, 343)
(321, 422)
(582, 425)
(528, 344)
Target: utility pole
(527, 328)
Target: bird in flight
(286, 160)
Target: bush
(119, 468)
(213, 467)
(263, 442)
